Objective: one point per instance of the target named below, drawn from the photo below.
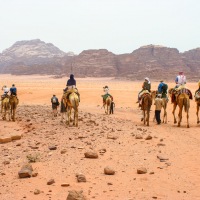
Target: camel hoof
(175, 122)
(198, 122)
(179, 125)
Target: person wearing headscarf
(180, 81)
(146, 88)
(197, 92)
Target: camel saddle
(142, 98)
(181, 91)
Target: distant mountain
(154, 61)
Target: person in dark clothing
(71, 84)
(55, 103)
(62, 108)
(13, 90)
(158, 106)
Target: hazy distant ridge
(155, 61)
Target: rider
(180, 81)
(71, 84)
(55, 103)
(106, 91)
(146, 88)
(6, 91)
(13, 90)
(162, 89)
(197, 92)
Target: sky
(120, 26)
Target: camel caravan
(180, 97)
(9, 103)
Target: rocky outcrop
(154, 61)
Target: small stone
(34, 174)
(36, 191)
(81, 178)
(91, 154)
(65, 184)
(149, 137)
(50, 182)
(138, 136)
(63, 151)
(109, 171)
(26, 171)
(6, 162)
(52, 147)
(142, 170)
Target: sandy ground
(176, 178)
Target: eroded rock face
(38, 57)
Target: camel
(146, 106)
(13, 106)
(71, 103)
(6, 108)
(197, 100)
(182, 101)
(165, 101)
(107, 105)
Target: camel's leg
(68, 116)
(144, 117)
(180, 116)
(197, 113)
(154, 118)
(147, 117)
(14, 114)
(188, 126)
(76, 117)
(173, 112)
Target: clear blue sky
(120, 26)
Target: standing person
(158, 106)
(62, 108)
(112, 106)
(197, 92)
(55, 104)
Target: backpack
(164, 88)
(54, 100)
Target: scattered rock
(109, 171)
(52, 147)
(113, 137)
(50, 182)
(81, 178)
(76, 195)
(149, 137)
(36, 191)
(26, 171)
(138, 136)
(63, 151)
(162, 158)
(142, 170)
(65, 184)
(91, 154)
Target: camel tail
(186, 104)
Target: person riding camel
(197, 92)
(146, 88)
(162, 89)
(180, 81)
(6, 92)
(71, 85)
(106, 91)
(13, 90)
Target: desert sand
(112, 137)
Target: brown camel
(182, 100)
(165, 101)
(146, 106)
(197, 100)
(6, 108)
(198, 106)
(13, 106)
(71, 103)
(107, 105)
